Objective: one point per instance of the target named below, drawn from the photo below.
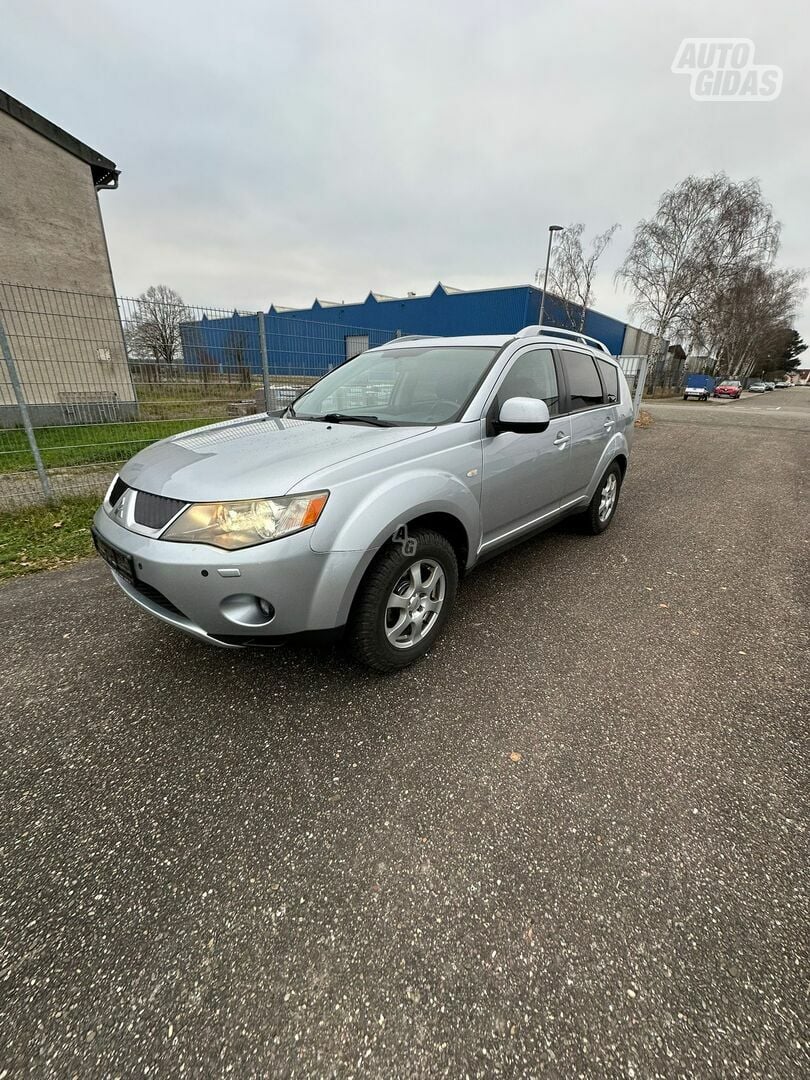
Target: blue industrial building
(309, 341)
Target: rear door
(524, 473)
(593, 416)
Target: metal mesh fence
(666, 376)
(635, 370)
(87, 381)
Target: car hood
(253, 458)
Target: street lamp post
(551, 230)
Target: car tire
(375, 636)
(595, 520)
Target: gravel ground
(571, 842)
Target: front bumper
(184, 585)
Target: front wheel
(602, 506)
(404, 601)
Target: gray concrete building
(57, 298)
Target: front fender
(364, 522)
(364, 526)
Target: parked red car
(728, 388)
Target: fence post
(641, 382)
(265, 362)
(22, 404)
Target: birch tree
(748, 322)
(705, 234)
(572, 271)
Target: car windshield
(428, 385)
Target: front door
(524, 476)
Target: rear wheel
(404, 601)
(603, 504)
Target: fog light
(247, 610)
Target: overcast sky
(277, 151)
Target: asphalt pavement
(569, 843)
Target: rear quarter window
(610, 377)
(584, 384)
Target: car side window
(532, 375)
(584, 385)
(610, 377)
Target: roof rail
(410, 337)
(554, 331)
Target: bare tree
(748, 322)
(704, 234)
(154, 329)
(206, 364)
(572, 272)
(238, 357)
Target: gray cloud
(279, 151)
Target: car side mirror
(522, 415)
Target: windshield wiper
(340, 417)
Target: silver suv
(360, 506)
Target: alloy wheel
(414, 604)
(610, 490)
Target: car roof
(417, 341)
(491, 341)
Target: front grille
(118, 489)
(157, 597)
(155, 511)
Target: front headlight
(234, 525)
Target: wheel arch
(440, 520)
(621, 461)
(451, 527)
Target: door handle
(561, 439)
(609, 424)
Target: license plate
(118, 560)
